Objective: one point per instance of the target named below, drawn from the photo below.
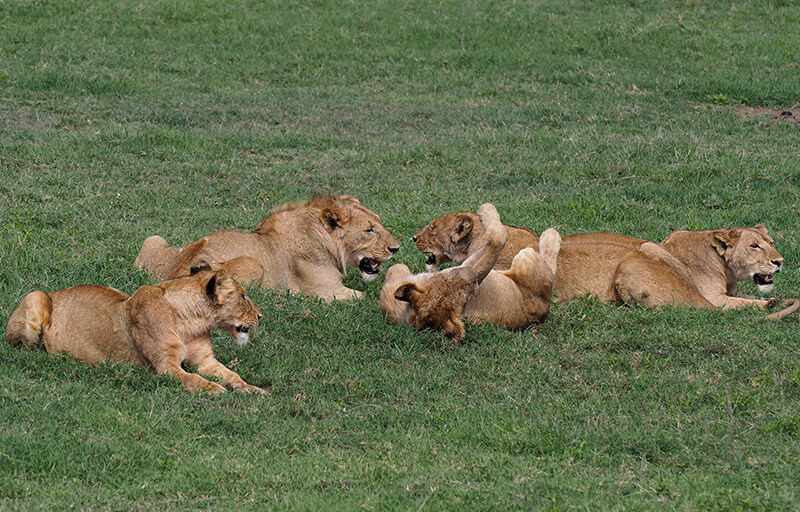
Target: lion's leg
(653, 277)
(29, 320)
(728, 302)
(549, 247)
(170, 364)
(199, 353)
(158, 339)
(484, 259)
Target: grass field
(119, 120)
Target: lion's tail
(29, 321)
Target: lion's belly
(88, 323)
(500, 301)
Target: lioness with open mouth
(305, 247)
(698, 268)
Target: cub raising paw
(514, 298)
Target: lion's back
(89, 322)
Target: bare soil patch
(772, 116)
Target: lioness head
(750, 254)
(447, 238)
(235, 311)
(365, 242)
(438, 302)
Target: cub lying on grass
(697, 268)
(514, 298)
(305, 247)
(160, 326)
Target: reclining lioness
(699, 268)
(305, 247)
(514, 298)
(160, 326)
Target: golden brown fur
(305, 247)
(699, 268)
(455, 236)
(160, 326)
(514, 298)
(688, 265)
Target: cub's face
(237, 313)
(446, 238)
(752, 256)
(438, 302)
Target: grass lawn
(123, 119)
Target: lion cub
(514, 298)
(160, 326)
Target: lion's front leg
(728, 302)
(199, 353)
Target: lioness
(305, 247)
(160, 326)
(514, 298)
(699, 268)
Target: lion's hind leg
(534, 275)
(28, 322)
(156, 257)
(549, 247)
(653, 277)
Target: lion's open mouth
(763, 279)
(431, 259)
(369, 266)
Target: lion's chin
(241, 336)
(432, 263)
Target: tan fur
(514, 298)
(698, 268)
(454, 236)
(305, 247)
(160, 326)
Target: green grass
(123, 119)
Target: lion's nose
(259, 316)
(414, 238)
(778, 263)
(394, 249)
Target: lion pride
(698, 268)
(514, 298)
(305, 247)
(160, 326)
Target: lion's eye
(754, 246)
(370, 230)
(244, 297)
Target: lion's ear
(761, 228)
(198, 267)
(211, 287)
(331, 219)
(463, 228)
(723, 239)
(409, 292)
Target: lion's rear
(29, 320)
